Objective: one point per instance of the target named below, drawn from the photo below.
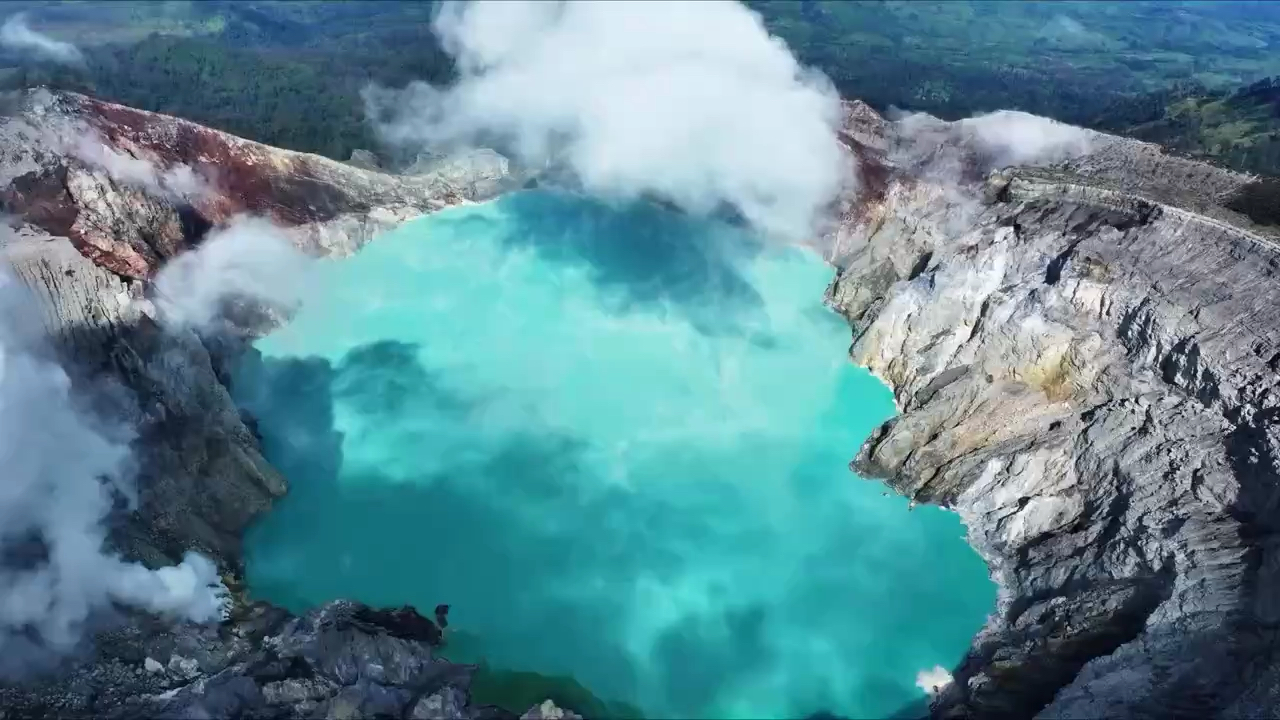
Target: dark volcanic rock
(335, 661)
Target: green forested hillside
(1063, 59)
(1239, 128)
(1193, 76)
(284, 73)
(289, 73)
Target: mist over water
(615, 439)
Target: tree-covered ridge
(1239, 128)
(274, 100)
(285, 73)
(289, 73)
(1056, 58)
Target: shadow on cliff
(643, 254)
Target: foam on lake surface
(615, 439)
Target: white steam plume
(178, 182)
(249, 259)
(1003, 138)
(1018, 138)
(933, 681)
(955, 157)
(17, 36)
(690, 101)
(62, 473)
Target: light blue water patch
(615, 440)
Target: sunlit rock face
(615, 440)
(1084, 356)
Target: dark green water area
(615, 439)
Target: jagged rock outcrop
(1085, 358)
(98, 196)
(341, 660)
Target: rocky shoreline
(1085, 357)
(1087, 373)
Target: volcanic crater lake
(615, 440)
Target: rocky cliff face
(1085, 358)
(98, 196)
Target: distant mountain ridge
(1239, 128)
(289, 73)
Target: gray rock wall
(1087, 375)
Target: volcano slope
(1084, 354)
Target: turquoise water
(615, 440)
